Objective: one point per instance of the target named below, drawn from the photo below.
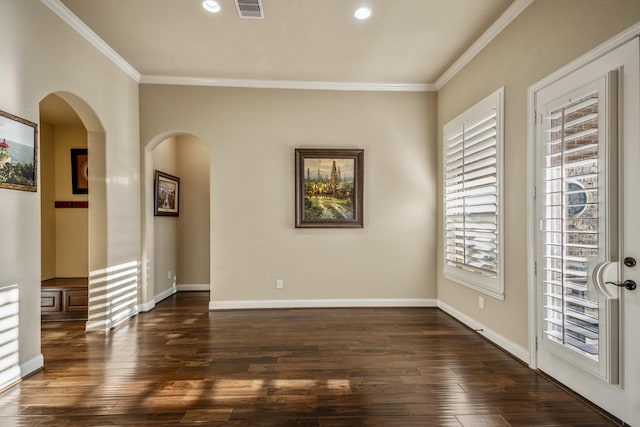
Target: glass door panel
(573, 237)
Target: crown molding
(516, 8)
(289, 84)
(74, 22)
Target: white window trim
(493, 287)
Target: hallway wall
(252, 134)
(193, 159)
(66, 239)
(47, 202)
(33, 67)
(165, 228)
(181, 245)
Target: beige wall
(165, 227)
(72, 225)
(48, 198)
(65, 239)
(546, 36)
(252, 134)
(181, 245)
(193, 224)
(35, 66)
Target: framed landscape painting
(329, 188)
(17, 153)
(167, 194)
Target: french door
(588, 230)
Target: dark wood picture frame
(166, 200)
(329, 188)
(18, 153)
(79, 171)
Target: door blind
(570, 224)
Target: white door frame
(596, 53)
(532, 231)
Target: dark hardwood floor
(181, 364)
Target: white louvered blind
(578, 234)
(472, 146)
(571, 223)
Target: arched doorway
(72, 217)
(176, 249)
(63, 211)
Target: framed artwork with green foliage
(18, 149)
(329, 186)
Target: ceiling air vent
(250, 9)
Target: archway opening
(64, 212)
(73, 206)
(176, 246)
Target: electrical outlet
(279, 283)
(481, 303)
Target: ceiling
(404, 41)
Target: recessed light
(211, 6)
(362, 13)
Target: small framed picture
(167, 194)
(329, 186)
(79, 171)
(18, 153)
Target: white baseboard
(165, 294)
(322, 303)
(32, 365)
(508, 345)
(179, 288)
(194, 287)
(147, 306)
(107, 324)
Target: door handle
(628, 284)
(602, 274)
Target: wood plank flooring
(181, 364)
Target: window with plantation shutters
(472, 197)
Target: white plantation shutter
(472, 197)
(571, 235)
(577, 201)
